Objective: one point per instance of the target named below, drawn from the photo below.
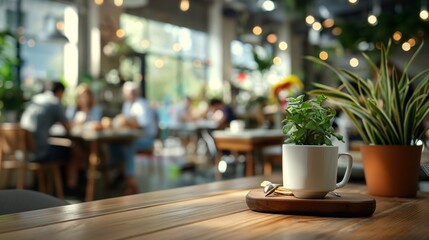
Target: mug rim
(308, 146)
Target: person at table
(85, 109)
(45, 110)
(220, 113)
(180, 114)
(136, 114)
(85, 113)
(184, 111)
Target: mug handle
(348, 170)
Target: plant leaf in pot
(388, 112)
(309, 122)
(310, 162)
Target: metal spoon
(335, 194)
(270, 188)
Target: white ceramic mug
(236, 126)
(311, 171)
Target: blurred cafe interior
(191, 59)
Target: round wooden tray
(348, 205)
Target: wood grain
(214, 211)
(127, 203)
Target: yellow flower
(289, 86)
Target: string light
(109, 49)
(310, 19)
(268, 5)
(328, 23)
(59, 25)
(354, 62)
(120, 33)
(31, 43)
(323, 55)
(372, 19)
(277, 60)
(375, 12)
(177, 47)
(317, 26)
(337, 31)
(21, 40)
(353, 1)
(257, 30)
(98, 2)
(397, 36)
(159, 63)
(184, 5)
(272, 38)
(406, 46)
(145, 43)
(118, 3)
(283, 45)
(424, 15)
(412, 42)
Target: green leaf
(385, 111)
(309, 122)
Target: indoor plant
(309, 122)
(11, 98)
(388, 112)
(310, 161)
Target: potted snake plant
(388, 112)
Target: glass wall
(175, 57)
(43, 43)
(39, 36)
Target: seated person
(183, 111)
(220, 113)
(85, 109)
(136, 113)
(44, 110)
(85, 113)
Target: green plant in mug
(309, 122)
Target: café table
(215, 210)
(249, 141)
(197, 130)
(94, 139)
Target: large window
(43, 44)
(246, 74)
(163, 77)
(176, 57)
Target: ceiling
(394, 15)
(285, 9)
(340, 10)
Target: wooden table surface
(213, 211)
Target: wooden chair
(17, 148)
(271, 155)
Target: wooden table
(213, 211)
(94, 139)
(248, 141)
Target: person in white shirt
(136, 113)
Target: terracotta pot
(390, 170)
